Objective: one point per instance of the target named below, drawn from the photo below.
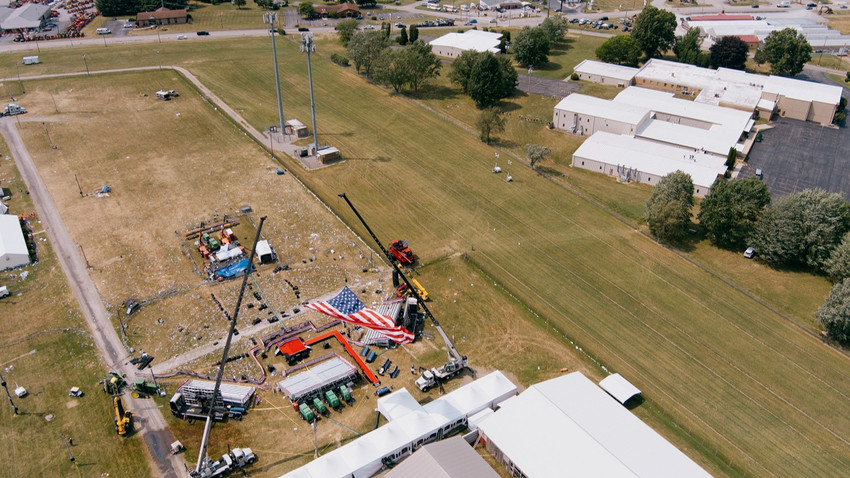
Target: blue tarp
(232, 269)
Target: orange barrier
(335, 333)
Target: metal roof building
(411, 426)
(317, 378)
(568, 426)
(453, 44)
(30, 15)
(636, 159)
(195, 391)
(13, 246)
(605, 73)
(451, 458)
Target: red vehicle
(401, 251)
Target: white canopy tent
(619, 388)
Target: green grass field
(45, 347)
(757, 390)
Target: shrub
(574, 77)
(340, 60)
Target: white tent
(618, 387)
(13, 247)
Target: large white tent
(568, 426)
(13, 246)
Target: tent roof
(397, 404)
(619, 388)
(11, 236)
(569, 423)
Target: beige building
(605, 73)
(584, 115)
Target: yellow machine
(123, 418)
(423, 294)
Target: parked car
(305, 29)
(471, 22)
(755, 6)
(203, 33)
(494, 21)
(749, 253)
(603, 19)
(182, 37)
(573, 20)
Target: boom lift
(123, 418)
(456, 362)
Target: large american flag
(346, 306)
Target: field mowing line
(702, 304)
(626, 363)
(529, 227)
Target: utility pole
(307, 46)
(9, 395)
(88, 266)
(315, 439)
(66, 442)
(270, 18)
(87, 64)
(54, 103)
(52, 146)
(157, 59)
(20, 83)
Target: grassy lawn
(758, 395)
(840, 21)
(48, 351)
(567, 54)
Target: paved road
(150, 422)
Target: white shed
(13, 247)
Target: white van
(103, 31)
(784, 4)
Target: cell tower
(307, 46)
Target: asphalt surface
(150, 423)
(546, 86)
(798, 155)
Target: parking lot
(798, 155)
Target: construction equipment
(230, 461)
(113, 384)
(206, 467)
(123, 418)
(166, 95)
(400, 250)
(177, 447)
(456, 362)
(145, 388)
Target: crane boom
(208, 426)
(453, 353)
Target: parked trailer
(31, 60)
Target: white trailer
(31, 60)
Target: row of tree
(410, 66)
(787, 51)
(113, 8)
(809, 229)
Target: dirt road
(150, 422)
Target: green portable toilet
(306, 413)
(332, 400)
(319, 406)
(345, 393)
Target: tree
(731, 210)
(305, 9)
(668, 209)
(687, 49)
(731, 158)
(392, 68)
(555, 28)
(345, 29)
(112, 8)
(838, 265)
(619, 49)
(531, 46)
(654, 31)
(485, 77)
(422, 64)
(386, 29)
(239, 4)
(365, 48)
(786, 51)
(402, 37)
(834, 314)
(536, 153)
(729, 52)
(841, 112)
(802, 228)
(490, 121)
(414, 34)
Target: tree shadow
(435, 92)
(376, 159)
(549, 66)
(503, 143)
(508, 106)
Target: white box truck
(31, 60)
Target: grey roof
(316, 377)
(28, 16)
(451, 458)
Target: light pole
(86, 63)
(157, 59)
(270, 18)
(308, 47)
(20, 83)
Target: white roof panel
(11, 236)
(569, 423)
(606, 109)
(619, 387)
(475, 40)
(397, 404)
(651, 157)
(803, 90)
(609, 70)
